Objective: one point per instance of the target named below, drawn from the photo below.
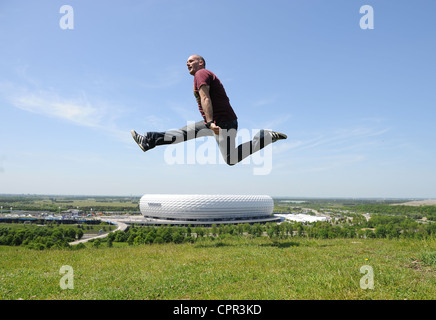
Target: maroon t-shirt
(222, 110)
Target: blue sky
(357, 105)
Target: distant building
(195, 209)
(74, 211)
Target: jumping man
(219, 120)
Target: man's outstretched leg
(232, 154)
(152, 139)
(262, 139)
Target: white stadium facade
(206, 210)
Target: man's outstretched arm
(206, 104)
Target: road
(120, 226)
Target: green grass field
(226, 269)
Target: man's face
(194, 64)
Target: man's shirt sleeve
(202, 77)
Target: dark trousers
(226, 139)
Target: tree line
(36, 237)
(379, 226)
(417, 212)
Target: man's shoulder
(204, 73)
(203, 77)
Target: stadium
(206, 210)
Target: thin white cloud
(329, 150)
(343, 137)
(77, 110)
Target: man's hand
(215, 128)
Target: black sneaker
(140, 140)
(278, 136)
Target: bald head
(195, 63)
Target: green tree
(150, 238)
(380, 231)
(177, 237)
(199, 231)
(270, 231)
(109, 243)
(138, 240)
(79, 234)
(214, 230)
(96, 243)
(158, 239)
(131, 239)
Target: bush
(79, 246)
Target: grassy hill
(234, 268)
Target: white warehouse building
(196, 209)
